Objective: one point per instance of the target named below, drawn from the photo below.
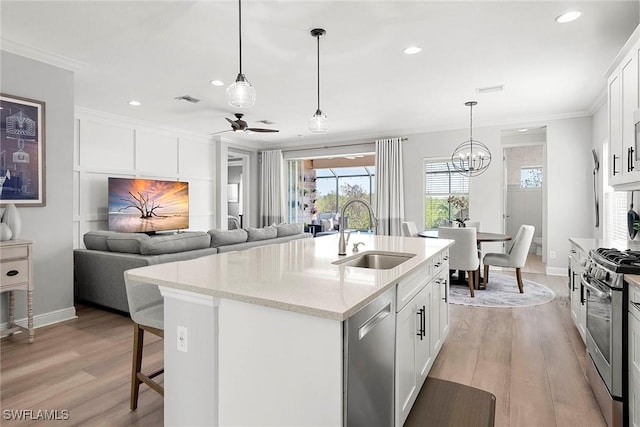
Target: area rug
(502, 291)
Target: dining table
(481, 237)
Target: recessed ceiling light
(134, 103)
(523, 130)
(412, 50)
(217, 82)
(568, 16)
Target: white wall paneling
(108, 146)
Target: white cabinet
(422, 324)
(577, 262)
(622, 90)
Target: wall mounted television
(147, 205)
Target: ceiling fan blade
(234, 123)
(262, 130)
(222, 131)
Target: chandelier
(241, 94)
(472, 157)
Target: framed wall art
(22, 163)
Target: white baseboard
(556, 271)
(46, 318)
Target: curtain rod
(335, 146)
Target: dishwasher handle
(373, 321)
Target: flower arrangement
(461, 204)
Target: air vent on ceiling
(187, 98)
(489, 89)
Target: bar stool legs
(137, 377)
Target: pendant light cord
(240, 31)
(318, 62)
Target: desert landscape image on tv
(147, 205)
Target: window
(337, 185)
(442, 182)
(531, 176)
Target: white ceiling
(154, 51)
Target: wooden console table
(16, 272)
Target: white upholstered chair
(409, 229)
(516, 257)
(146, 307)
(463, 255)
(473, 224)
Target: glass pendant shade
(241, 94)
(318, 123)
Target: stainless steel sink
(377, 260)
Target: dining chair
(474, 224)
(409, 229)
(146, 307)
(463, 255)
(516, 257)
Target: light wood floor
(531, 358)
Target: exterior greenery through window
(446, 194)
(531, 177)
(337, 185)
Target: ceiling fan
(240, 125)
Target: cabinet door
(634, 345)
(425, 342)
(443, 303)
(407, 327)
(615, 127)
(629, 104)
(634, 402)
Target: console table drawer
(14, 253)
(14, 272)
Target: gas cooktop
(627, 261)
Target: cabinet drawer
(15, 252)
(409, 287)
(14, 272)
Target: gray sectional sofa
(99, 269)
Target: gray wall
(50, 227)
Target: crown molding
(41, 55)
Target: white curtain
(389, 187)
(272, 199)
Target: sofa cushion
(227, 237)
(126, 242)
(264, 233)
(289, 229)
(97, 240)
(172, 243)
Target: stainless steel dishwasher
(369, 359)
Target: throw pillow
(97, 240)
(227, 237)
(264, 233)
(173, 243)
(289, 229)
(126, 242)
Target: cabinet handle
(446, 258)
(424, 321)
(446, 294)
(12, 273)
(421, 328)
(630, 159)
(573, 281)
(614, 165)
(437, 264)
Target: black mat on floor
(444, 403)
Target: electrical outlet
(552, 254)
(182, 338)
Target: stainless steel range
(606, 298)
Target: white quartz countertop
(296, 276)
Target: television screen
(147, 205)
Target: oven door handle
(599, 293)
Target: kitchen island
(262, 329)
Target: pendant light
(318, 123)
(241, 94)
(472, 157)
